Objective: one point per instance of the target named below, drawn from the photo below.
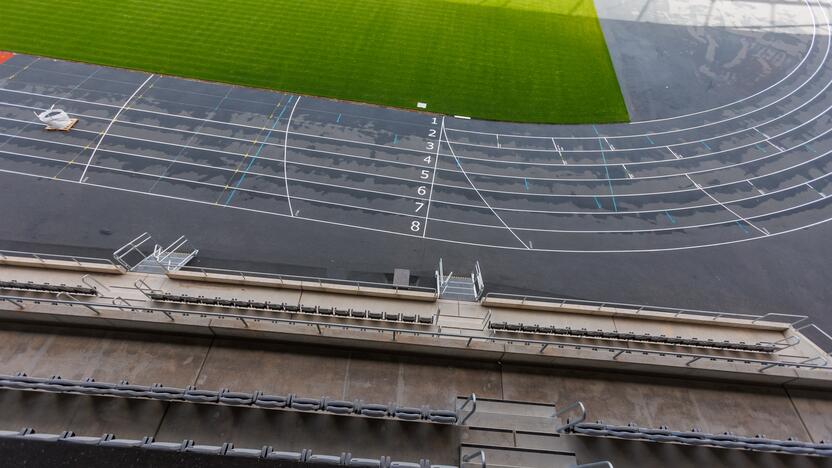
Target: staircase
(514, 434)
(459, 288)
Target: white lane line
(191, 137)
(822, 195)
(286, 156)
(484, 174)
(433, 179)
(557, 179)
(231, 124)
(764, 231)
(522, 195)
(349, 188)
(451, 149)
(559, 149)
(115, 117)
(450, 241)
(676, 155)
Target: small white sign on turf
(422, 105)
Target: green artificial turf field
(519, 60)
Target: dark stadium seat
(629, 336)
(257, 399)
(48, 288)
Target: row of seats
(226, 449)
(695, 437)
(292, 308)
(224, 396)
(48, 288)
(625, 336)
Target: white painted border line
(455, 187)
(480, 195)
(286, 156)
(764, 231)
(451, 241)
(115, 117)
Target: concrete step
(514, 439)
(518, 457)
(512, 415)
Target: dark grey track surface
(721, 208)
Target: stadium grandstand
(416, 234)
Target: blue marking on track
(742, 227)
(807, 145)
(597, 202)
(670, 217)
(760, 147)
(706, 146)
(257, 153)
(649, 139)
(395, 138)
(338, 120)
(606, 169)
(526, 181)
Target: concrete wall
(410, 380)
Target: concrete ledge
(445, 346)
(645, 314)
(103, 268)
(302, 285)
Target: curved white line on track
(115, 117)
(286, 156)
(451, 149)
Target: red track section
(5, 56)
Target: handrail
(822, 333)
(471, 399)
(46, 256)
(473, 456)
(569, 423)
(793, 319)
(597, 464)
(244, 274)
(416, 332)
(86, 278)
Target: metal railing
(313, 279)
(473, 456)
(43, 257)
(571, 423)
(814, 329)
(396, 332)
(473, 401)
(791, 319)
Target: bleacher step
(518, 457)
(518, 416)
(514, 439)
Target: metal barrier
(791, 319)
(395, 332)
(224, 396)
(473, 401)
(598, 464)
(227, 449)
(827, 348)
(696, 437)
(161, 258)
(313, 279)
(43, 257)
(473, 456)
(569, 423)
